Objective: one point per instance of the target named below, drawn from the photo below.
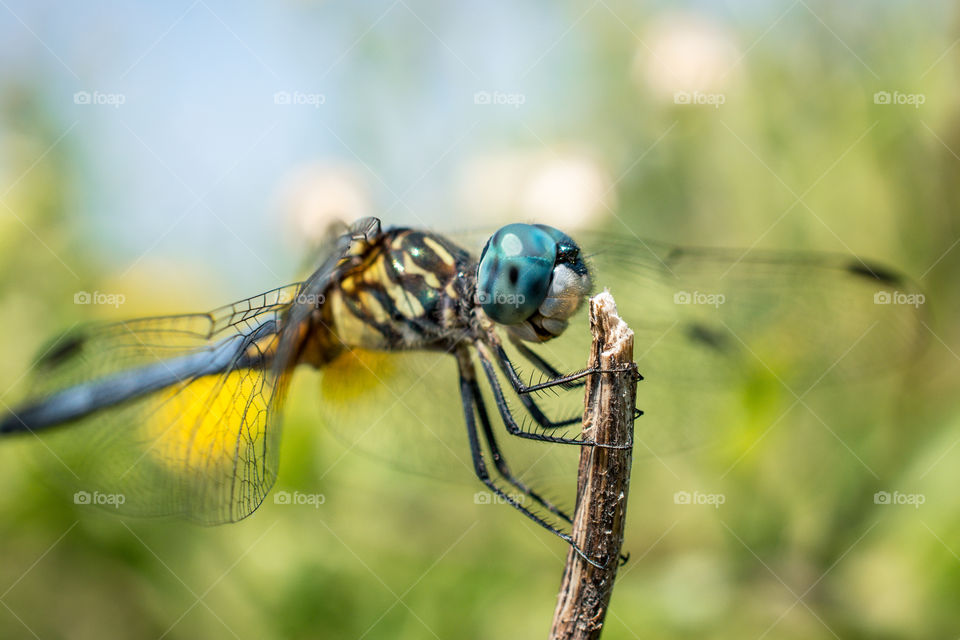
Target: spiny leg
(542, 365)
(527, 400)
(523, 391)
(513, 428)
(500, 462)
(509, 421)
(480, 467)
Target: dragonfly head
(531, 279)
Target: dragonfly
(181, 414)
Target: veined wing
(711, 324)
(403, 409)
(179, 415)
(720, 330)
(167, 416)
(713, 316)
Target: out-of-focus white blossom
(685, 53)
(318, 195)
(567, 190)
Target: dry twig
(603, 479)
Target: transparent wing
(713, 317)
(99, 350)
(403, 409)
(203, 447)
(717, 332)
(709, 315)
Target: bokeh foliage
(394, 555)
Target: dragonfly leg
(500, 462)
(513, 428)
(526, 399)
(524, 392)
(480, 467)
(560, 381)
(542, 365)
(541, 418)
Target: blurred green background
(183, 155)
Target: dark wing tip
(63, 348)
(875, 272)
(12, 423)
(674, 255)
(705, 335)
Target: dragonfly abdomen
(80, 400)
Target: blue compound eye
(515, 271)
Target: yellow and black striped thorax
(408, 290)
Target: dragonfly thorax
(408, 290)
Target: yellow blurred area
(200, 429)
(353, 374)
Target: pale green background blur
(187, 182)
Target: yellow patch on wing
(355, 373)
(202, 427)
